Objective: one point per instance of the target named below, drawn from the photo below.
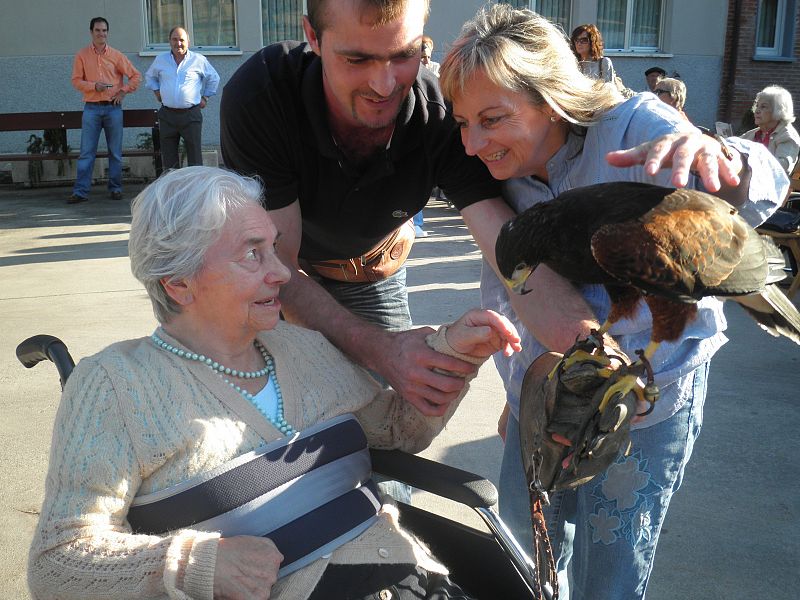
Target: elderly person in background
(774, 114)
(653, 75)
(220, 380)
(542, 127)
(673, 92)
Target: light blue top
(266, 400)
(580, 162)
(182, 85)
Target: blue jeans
(604, 533)
(107, 117)
(384, 303)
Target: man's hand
(481, 333)
(406, 362)
(102, 86)
(247, 567)
(203, 102)
(117, 98)
(685, 152)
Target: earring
(553, 118)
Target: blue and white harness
(309, 493)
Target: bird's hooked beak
(518, 279)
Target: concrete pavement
(733, 530)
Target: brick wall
(743, 77)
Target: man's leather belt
(309, 494)
(179, 110)
(101, 102)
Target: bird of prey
(671, 247)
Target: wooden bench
(39, 121)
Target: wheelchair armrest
(440, 479)
(34, 350)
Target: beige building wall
(38, 42)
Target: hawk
(670, 247)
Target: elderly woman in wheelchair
(226, 455)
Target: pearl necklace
(279, 422)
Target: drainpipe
(732, 60)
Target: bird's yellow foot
(625, 384)
(589, 350)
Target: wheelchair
(488, 566)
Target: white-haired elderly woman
(220, 388)
(526, 110)
(773, 112)
(673, 92)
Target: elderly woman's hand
(481, 333)
(247, 567)
(685, 152)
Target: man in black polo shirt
(350, 136)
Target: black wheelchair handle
(34, 350)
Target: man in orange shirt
(98, 73)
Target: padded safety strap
(310, 494)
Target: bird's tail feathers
(777, 269)
(774, 312)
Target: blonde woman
(542, 127)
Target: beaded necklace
(279, 422)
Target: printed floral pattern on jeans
(624, 502)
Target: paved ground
(733, 531)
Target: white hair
(176, 219)
(781, 102)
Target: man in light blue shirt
(182, 82)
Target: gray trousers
(174, 125)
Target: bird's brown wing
(684, 248)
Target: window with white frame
(211, 24)
(773, 30)
(282, 20)
(556, 11)
(633, 25)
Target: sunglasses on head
(662, 91)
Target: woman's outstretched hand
(717, 165)
(481, 333)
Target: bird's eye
(520, 267)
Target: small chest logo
(400, 214)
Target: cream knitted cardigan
(135, 419)
(784, 144)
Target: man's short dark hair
(385, 11)
(97, 20)
(658, 70)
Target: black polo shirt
(273, 124)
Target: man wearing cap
(653, 76)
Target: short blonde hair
(675, 88)
(522, 51)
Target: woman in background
(774, 114)
(587, 45)
(673, 92)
